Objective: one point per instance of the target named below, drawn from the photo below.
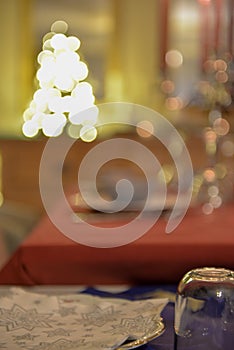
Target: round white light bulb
(30, 128)
(73, 43)
(88, 133)
(59, 41)
(52, 125)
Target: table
(48, 257)
(165, 341)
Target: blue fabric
(168, 341)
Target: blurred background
(155, 53)
(175, 57)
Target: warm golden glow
(62, 96)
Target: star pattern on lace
(58, 332)
(145, 307)
(26, 336)
(100, 316)
(131, 326)
(60, 344)
(20, 318)
(66, 311)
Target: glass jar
(204, 310)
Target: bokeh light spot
(174, 103)
(74, 131)
(210, 135)
(221, 126)
(221, 76)
(167, 86)
(174, 58)
(213, 191)
(216, 201)
(220, 65)
(30, 128)
(209, 66)
(59, 27)
(209, 175)
(88, 133)
(145, 128)
(227, 148)
(207, 208)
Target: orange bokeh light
(209, 175)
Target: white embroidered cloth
(40, 321)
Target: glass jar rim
(212, 273)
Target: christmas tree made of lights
(63, 97)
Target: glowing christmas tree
(63, 97)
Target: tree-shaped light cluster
(63, 96)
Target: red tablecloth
(48, 257)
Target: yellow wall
(133, 70)
(16, 64)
